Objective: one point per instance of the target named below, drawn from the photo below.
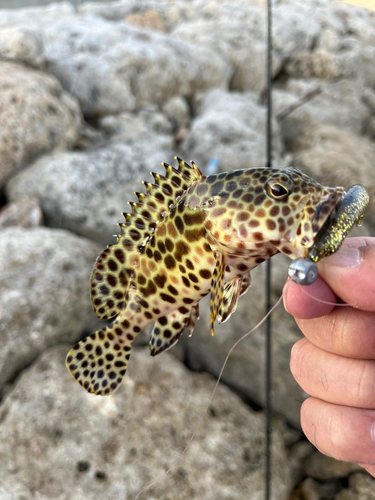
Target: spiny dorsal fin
(115, 265)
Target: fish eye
(277, 191)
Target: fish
(187, 236)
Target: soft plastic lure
(189, 235)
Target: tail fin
(99, 361)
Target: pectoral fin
(246, 283)
(217, 288)
(230, 299)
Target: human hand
(335, 362)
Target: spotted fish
(189, 235)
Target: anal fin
(168, 329)
(99, 361)
(217, 288)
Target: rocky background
(91, 100)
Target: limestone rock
(86, 192)
(177, 109)
(115, 67)
(230, 127)
(37, 117)
(149, 20)
(323, 468)
(339, 158)
(21, 44)
(150, 127)
(338, 103)
(37, 16)
(112, 447)
(44, 293)
(361, 486)
(24, 213)
(242, 42)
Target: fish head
(304, 207)
(269, 211)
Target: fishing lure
(189, 235)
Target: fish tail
(99, 362)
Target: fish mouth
(325, 212)
(347, 212)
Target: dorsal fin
(114, 267)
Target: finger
(344, 331)
(370, 469)
(309, 301)
(333, 378)
(350, 273)
(340, 432)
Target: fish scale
(189, 235)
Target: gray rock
(294, 28)
(86, 192)
(230, 127)
(242, 43)
(114, 446)
(323, 468)
(115, 67)
(340, 158)
(361, 486)
(149, 126)
(314, 490)
(37, 16)
(339, 104)
(21, 44)
(44, 293)
(177, 109)
(37, 117)
(24, 213)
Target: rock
(313, 490)
(240, 41)
(149, 20)
(361, 486)
(112, 447)
(323, 468)
(244, 372)
(178, 111)
(230, 127)
(149, 126)
(21, 44)
(86, 192)
(317, 64)
(37, 16)
(44, 293)
(338, 103)
(24, 213)
(37, 116)
(137, 67)
(340, 158)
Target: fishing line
(303, 288)
(212, 396)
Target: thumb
(350, 272)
